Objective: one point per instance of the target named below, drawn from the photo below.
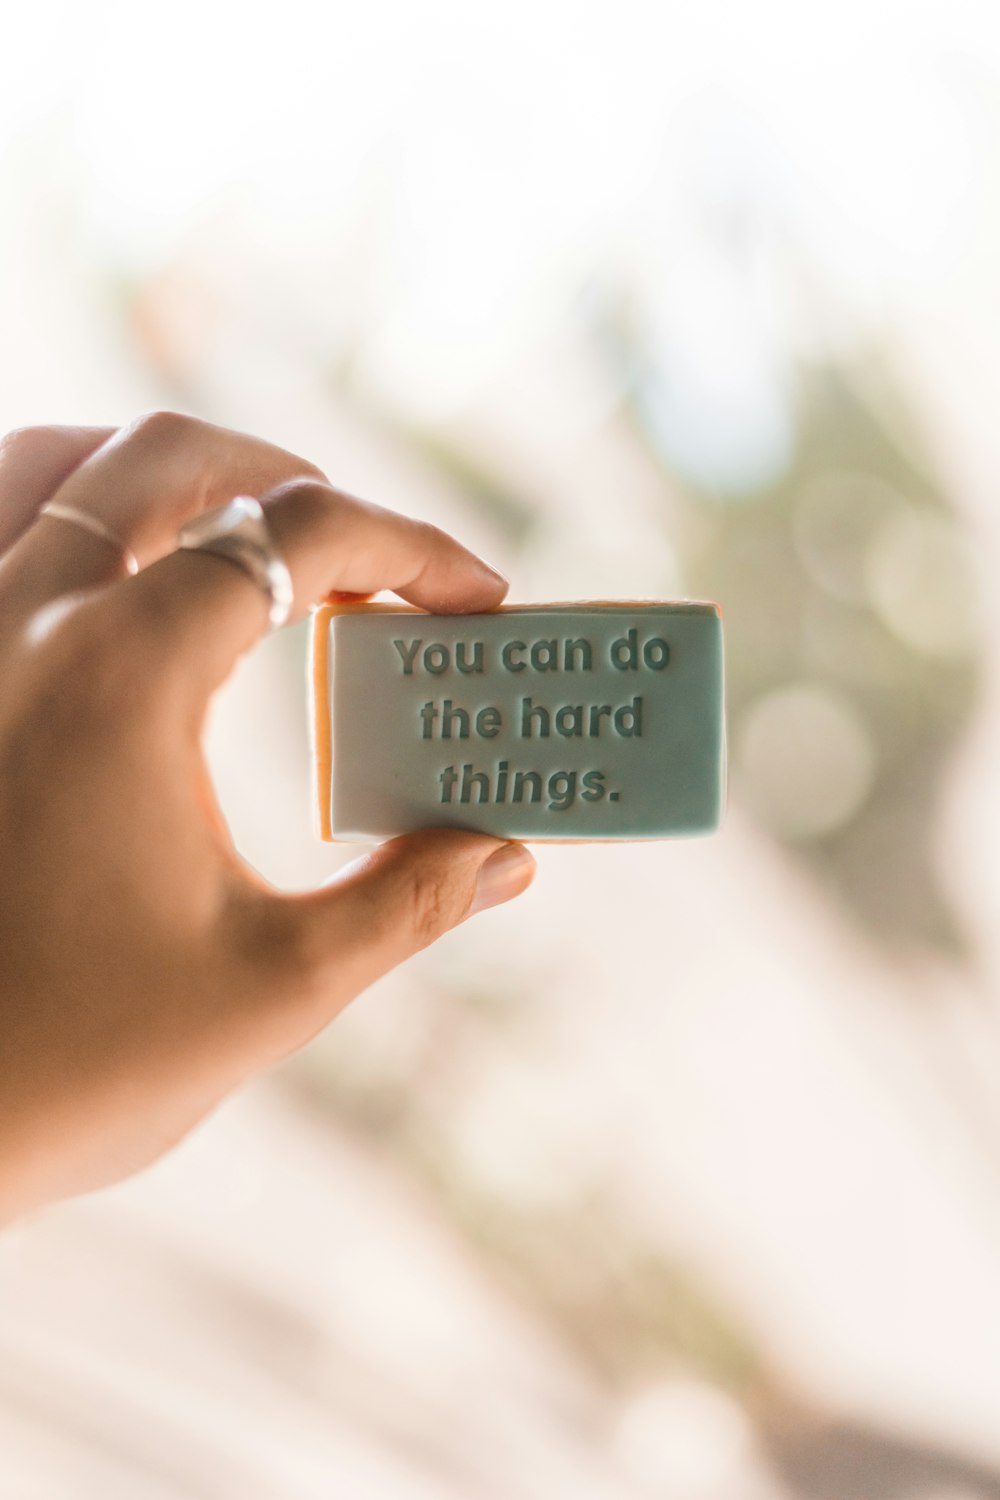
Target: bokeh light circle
(921, 583)
(806, 760)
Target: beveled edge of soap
(319, 683)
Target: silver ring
(95, 526)
(239, 532)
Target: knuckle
(429, 540)
(427, 533)
(162, 428)
(23, 443)
(306, 507)
(437, 900)
(309, 473)
(304, 495)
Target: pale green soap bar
(558, 722)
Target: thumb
(398, 898)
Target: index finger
(201, 611)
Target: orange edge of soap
(320, 681)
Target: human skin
(145, 969)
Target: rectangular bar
(586, 721)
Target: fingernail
(505, 874)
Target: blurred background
(679, 1179)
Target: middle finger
(143, 484)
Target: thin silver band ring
(95, 526)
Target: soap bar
(586, 721)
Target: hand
(145, 971)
